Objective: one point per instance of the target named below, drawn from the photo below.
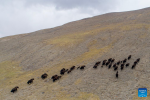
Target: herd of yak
(109, 63)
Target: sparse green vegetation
(81, 45)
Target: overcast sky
(24, 16)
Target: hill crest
(83, 42)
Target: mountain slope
(83, 42)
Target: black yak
(53, 76)
(129, 57)
(115, 68)
(30, 81)
(82, 67)
(72, 68)
(118, 62)
(109, 59)
(95, 66)
(122, 67)
(107, 63)
(110, 66)
(117, 74)
(124, 61)
(97, 63)
(138, 60)
(114, 65)
(62, 71)
(14, 89)
(44, 76)
(127, 64)
(104, 62)
(135, 62)
(133, 66)
(112, 60)
(56, 77)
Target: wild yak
(109, 59)
(118, 62)
(117, 74)
(112, 60)
(138, 60)
(104, 62)
(72, 68)
(124, 61)
(97, 63)
(95, 66)
(14, 89)
(82, 67)
(129, 57)
(133, 66)
(122, 67)
(56, 78)
(114, 65)
(127, 64)
(44, 76)
(62, 71)
(115, 68)
(53, 76)
(107, 63)
(110, 66)
(135, 62)
(30, 81)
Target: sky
(25, 16)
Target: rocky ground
(83, 42)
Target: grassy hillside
(83, 42)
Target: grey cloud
(70, 4)
(23, 16)
(16, 17)
(84, 6)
